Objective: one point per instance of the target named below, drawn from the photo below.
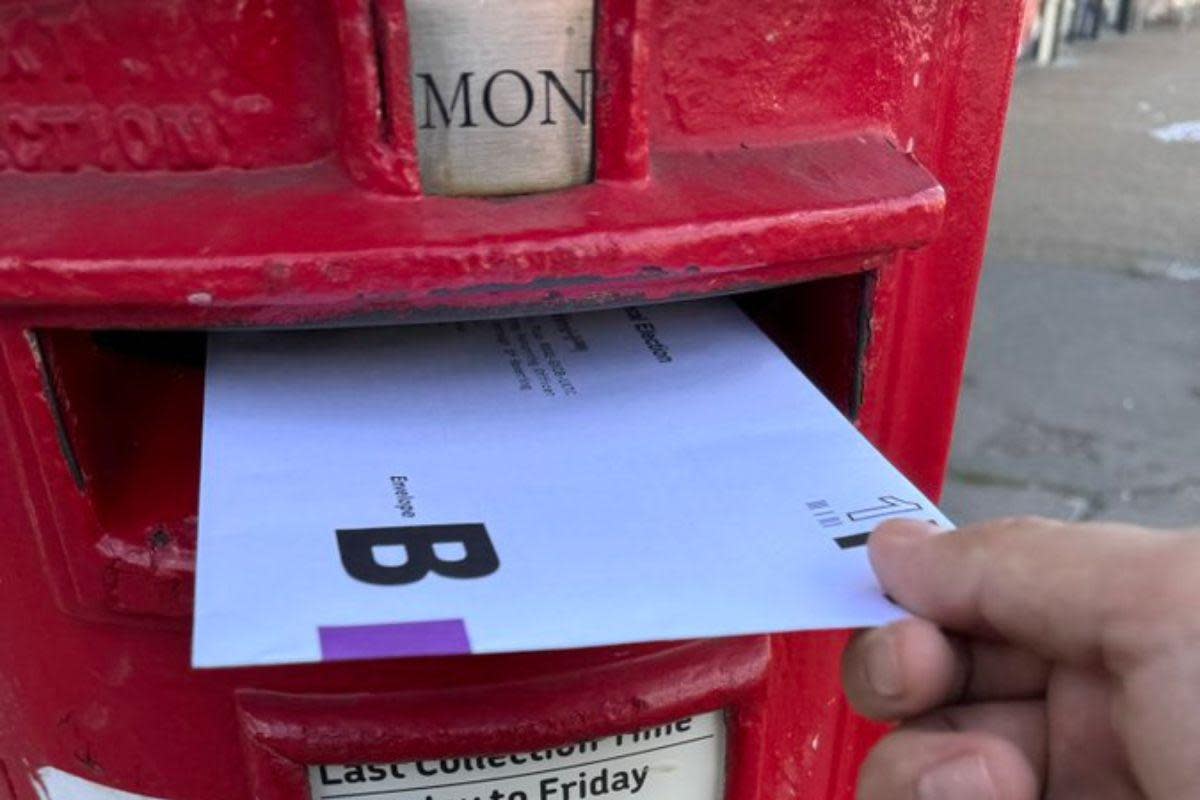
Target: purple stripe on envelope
(440, 637)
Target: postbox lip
(230, 255)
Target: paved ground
(1082, 395)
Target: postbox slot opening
(129, 406)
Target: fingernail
(957, 779)
(882, 665)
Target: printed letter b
(357, 549)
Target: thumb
(1088, 594)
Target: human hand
(1046, 660)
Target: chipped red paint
(181, 164)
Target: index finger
(1087, 594)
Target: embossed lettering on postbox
(502, 94)
(158, 85)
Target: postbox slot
(125, 408)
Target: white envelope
(551, 482)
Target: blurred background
(1082, 393)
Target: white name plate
(681, 760)
(502, 94)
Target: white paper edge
(54, 784)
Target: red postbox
(168, 166)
